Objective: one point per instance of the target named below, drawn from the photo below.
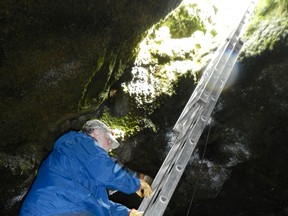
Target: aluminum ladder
(193, 120)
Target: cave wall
(242, 171)
(56, 56)
(49, 53)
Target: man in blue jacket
(75, 177)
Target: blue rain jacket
(75, 178)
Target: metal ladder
(193, 120)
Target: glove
(145, 190)
(135, 212)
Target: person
(76, 175)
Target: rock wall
(49, 51)
(62, 62)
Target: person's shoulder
(72, 137)
(67, 135)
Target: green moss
(213, 32)
(179, 44)
(84, 102)
(265, 10)
(24, 168)
(183, 23)
(268, 29)
(110, 68)
(129, 124)
(97, 87)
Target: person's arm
(118, 209)
(121, 210)
(109, 174)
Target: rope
(201, 162)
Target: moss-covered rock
(179, 45)
(269, 28)
(52, 55)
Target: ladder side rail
(209, 78)
(148, 204)
(209, 69)
(165, 165)
(229, 50)
(187, 118)
(234, 39)
(175, 148)
(178, 167)
(227, 47)
(183, 120)
(222, 81)
(197, 92)
(234, 35)
(206, 90)
(182, 160)
(210, 81)
(168, 162)
(171, 181)
(207, 72)
(159, 206)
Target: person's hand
(135, 212)
(145, 189)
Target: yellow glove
(145, 190)
(135, 212)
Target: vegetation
(177, 46)
(268, 29)
(127, 125)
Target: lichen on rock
(179, 45)
(268, 29)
